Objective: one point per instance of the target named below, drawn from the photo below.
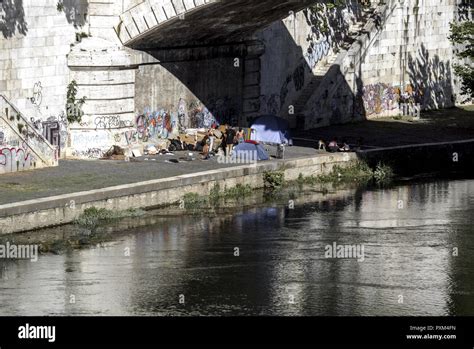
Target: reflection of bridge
(155, 24)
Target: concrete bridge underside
(159, 24)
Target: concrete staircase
(304, 97)
(344, 66)
(322, 69)
(22, 147)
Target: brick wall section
(37, 56)
(412, 54)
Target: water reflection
(410, 234)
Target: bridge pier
(224, 79)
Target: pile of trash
(189, 140)
(115, 153)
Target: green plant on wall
(74, 111)
(274, 179)
(462, 35)
(60, 6)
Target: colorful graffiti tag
(317, 51)
(380, 98)
(157, 124)
(15, 159)
(161, 123)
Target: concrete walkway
(447, 125)
(81, 175)
(62, 209)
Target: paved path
(73, 176)
(77, 175)
(435, 126)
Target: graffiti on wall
(14, 159)
(90, 144)
(317, 50)
(156, 124)
(294, 82)
(109, 122)
(200, 116)
(91, 153)
(412, 95)
(131, 137)
(380, 98)
(54, 129)
(224, 110)
(151, 125)
(384, 98)
(284, 90)
(37, 94)
(162, 123)
(183, 116)
(6, 139)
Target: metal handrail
(27, 123)
(22, 138)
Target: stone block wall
(105, 76)
(291, 63)
(411, 60)
(104, 17)
(34, 42)
(402, 56)
(35, 39)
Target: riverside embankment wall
(63, 209)
(282, 68)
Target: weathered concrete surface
(34, 214)
(214, 84)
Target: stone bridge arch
(158, 24)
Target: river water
(417, 239)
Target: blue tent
(245, 150)
(272, 129)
